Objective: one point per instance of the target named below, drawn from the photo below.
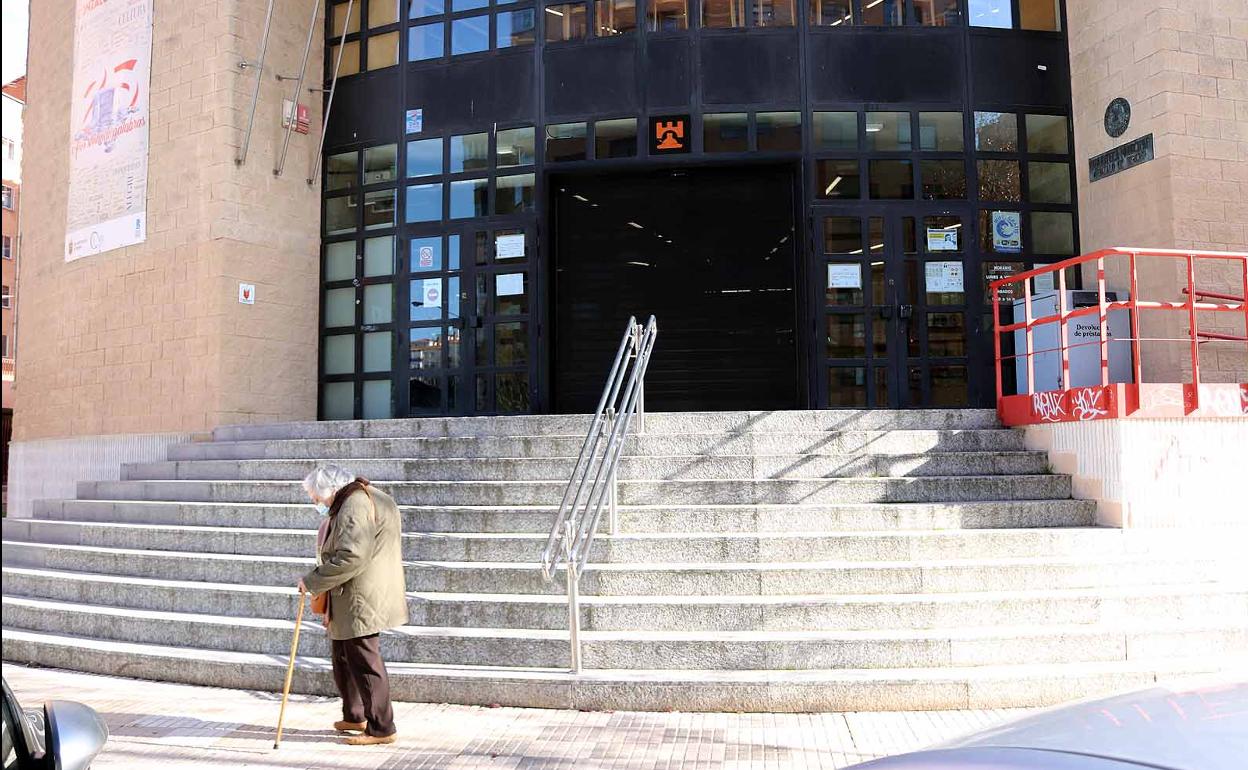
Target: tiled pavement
(174, 727)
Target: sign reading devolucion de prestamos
(108, 126)
(1121, 158)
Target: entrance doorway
(899, 308)
(711, 252)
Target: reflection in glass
(839, 180)
(339, 308)
(379, 209)
(425, 41)
(940, 132)
(338, 400)
(511, 293)
(847, 336)
(999, 180)
(1047, 134)
(667, 15)
(470, 152)
(378, 351)
(847, 387)
(424, 157)
(888, 13)
(615, 17)
(615, 138)
(891, 179)
(1048, 182)
(340, 261)
(516, 28)
(938, 13)
(425, 348)
(514, 194)
(511, 344)
(991, 13)
(378, 303)
(377, 400)
(452, 297)
(515, 147)
(726, 132)
(1043, 15)
(340, 215)
(996, 132)
(350, 61)
(339, 354)
(469, 198)
(341, 171)
(723, 13)
(381, 164)
(1053, 232)
(565, 22)
(831, 13)
(468, 5)
(425, 394)
(382, 12)
(470, 35)
(779, 131)
(566, 141)
(836, 131)
(417, 9)
(342, 23)
(888, 131)
(383, 50)
(511, 392)
(454, 340)
(946, 335)
(424, 203)
(943, 179)
(842, 235)
(775, 13)
(949, 386)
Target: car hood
(1193, 725)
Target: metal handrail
(595, 475)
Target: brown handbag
(320, 601)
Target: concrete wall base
(1160, 473)
(51, 468)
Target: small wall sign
(301, 115)
(246, 294)
(415, 122)
(1121, 158)
(670, 135)
(1007, 232)
(1117, 117)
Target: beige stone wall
(152, 338)
(1183, 65)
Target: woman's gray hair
(326, 480)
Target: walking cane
(290, 668)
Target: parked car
(1198, 727)
(63, 735)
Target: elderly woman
(359, 562)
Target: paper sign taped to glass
(845, 276)
(944, 277)
(1007, 232)
(942, 238)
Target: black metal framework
(774, 82)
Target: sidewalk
(175, 727)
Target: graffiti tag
(1089, 404)
(1049, 407)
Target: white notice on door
(509, 285)
(943, 277)
(432, 292)
(509, 246)
(845, 276)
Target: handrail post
(1030, 345)
(1194, 329)
(1104, 318)
(329, 102)
(1137, 367)
(574, 614)
(303, 68)
(241, 158)
(1063, 334)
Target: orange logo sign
(668, 134)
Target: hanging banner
(108, 126)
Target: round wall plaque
(1117, 117)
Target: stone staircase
(792, 561)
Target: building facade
(14, 95)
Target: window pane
(379, 256)
(381, 164)
(888, 131)
(839, 179)
(891, 179)
(516, 28)
(665, 15)
(615, 138)
(847, 336)
(836, 131)
(831, 13)
(949, 386)
(615, 17)
(514, 194)
(453, 339)
(379, 209)
(377, 400)
(996, 132)
(515, 147)
(565, 22)
(779, 131)
(420, 8)
(470, 35)
(339, 308)
(511, 344)
(452, 253)
(1047, 134)
(425, 394)
(341, 171)
(340, 215)
(378, 303)
(940, 131)
(723, 13)
(339, 354)
(891, 13)
(943, 179)
(774, 13)
(452, 297)
(378, 351)
(426, 41)
(425, 348)
(470, 152)
(469, 198)
(340, 261)
(424, 157)
(383, 50)
(511, 293)
(427, 300)
(946, 334)
(350, 64)
(338, 400)
(847, 387)
(991, 13)
(1053, 232)
(342, 24)
(999, 180)
(426, 254)
(566, 141)
(382, 12)
(1040, 14)
(424, 202)
(726, 132)
(938, 13)
(468, 5)
(844, 285)
(842, 235)
(511, 392)
(1048, 182)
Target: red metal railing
(1119, 399)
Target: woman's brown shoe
(370, 740)
(343, 726)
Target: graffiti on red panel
(1050, 406)
(1078, 405)
(1243, 398)
(1090, 403)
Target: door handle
(905, 312)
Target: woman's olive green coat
(361, 565)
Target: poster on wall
(108, 127)
(1007, 232)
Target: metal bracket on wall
(303, 68)
(329, 101)
(241, 158)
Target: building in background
(11, 163)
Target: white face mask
(322, 509)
